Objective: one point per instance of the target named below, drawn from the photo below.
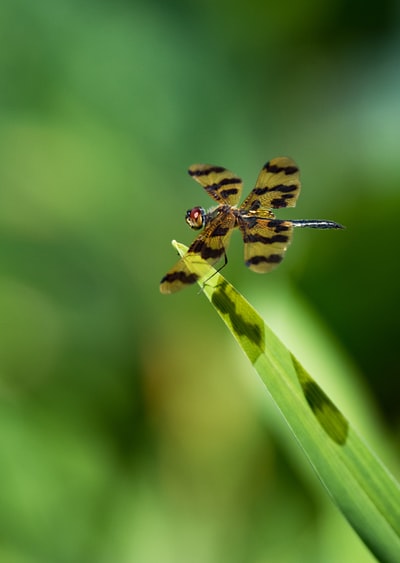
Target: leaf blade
(354, 477)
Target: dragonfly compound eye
(195, 217)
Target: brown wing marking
(221, 184)
(265, 242)
(180, 276)
(278, 185)
(205, 251)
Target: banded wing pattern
(221, 184)
(278, 185)
(265, 242)
(207, 249)
(266, 238)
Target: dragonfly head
(195, 218)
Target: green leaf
(355, 478)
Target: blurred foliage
(117, 443)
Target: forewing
(205, 251)
(278, 185)
(187, 270)
(221, 184)
(265, 242)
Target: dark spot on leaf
(327, 414)
(253, 343)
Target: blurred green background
(131, 427)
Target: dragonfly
(265, 237)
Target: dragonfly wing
(187, 270)
(265, 242)
(205, 251)
(278, 185)
(220, 184)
